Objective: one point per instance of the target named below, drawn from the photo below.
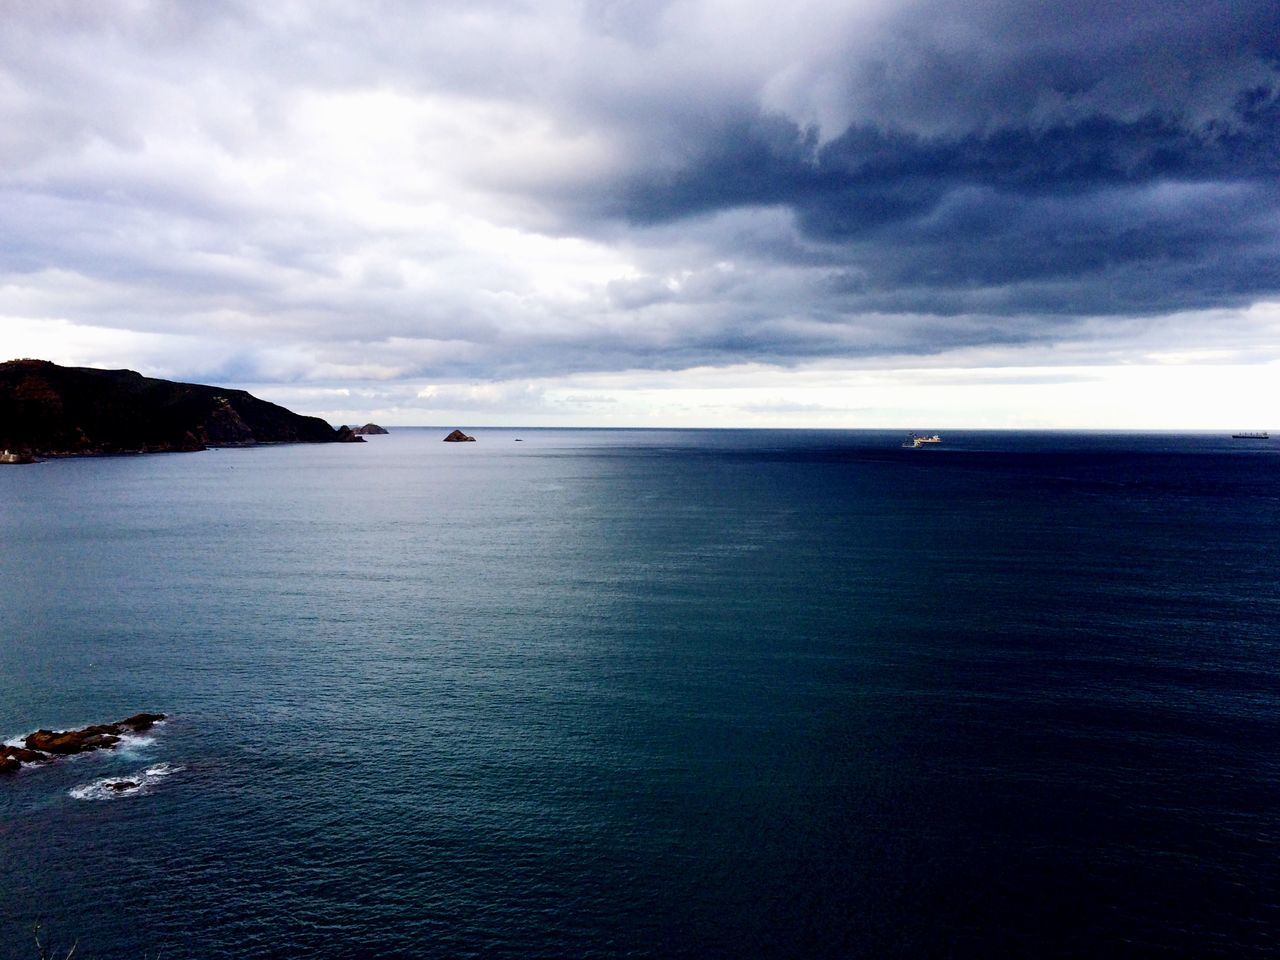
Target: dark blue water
(651, 694)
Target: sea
(649, 693)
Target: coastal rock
(141, 721)
(120, 785)
(459, 437)
(43, 745)
(23, 755)
(9, 765)
(68, 742)
(347, 435)
(369, 430)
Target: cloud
(1130, 168)
(506, 191)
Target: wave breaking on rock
(111, 788)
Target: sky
(983, 213)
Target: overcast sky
(715, 212)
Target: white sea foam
(139, 784)
(131, 743)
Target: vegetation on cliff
(50, 410)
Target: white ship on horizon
(918, 440)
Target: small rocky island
(44, 745)
(370, 430)
(47, 410)
(459, 437)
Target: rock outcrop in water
(50, 411)
(369, 430)
(459, 437)
(72, 741)
(44, 745)
(23, 755)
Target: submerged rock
(459, 437)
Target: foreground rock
(51, 411)
(369, 430)
(459, 437)
(44, 745)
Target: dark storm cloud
(1070, 159)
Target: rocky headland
(44, 745)
(47, 410)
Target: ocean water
(650, 694)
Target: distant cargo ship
(1260, 435)
(915, 440)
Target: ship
(1256, 435)
(916, 440)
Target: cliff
(49, 410)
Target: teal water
(650, 694)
